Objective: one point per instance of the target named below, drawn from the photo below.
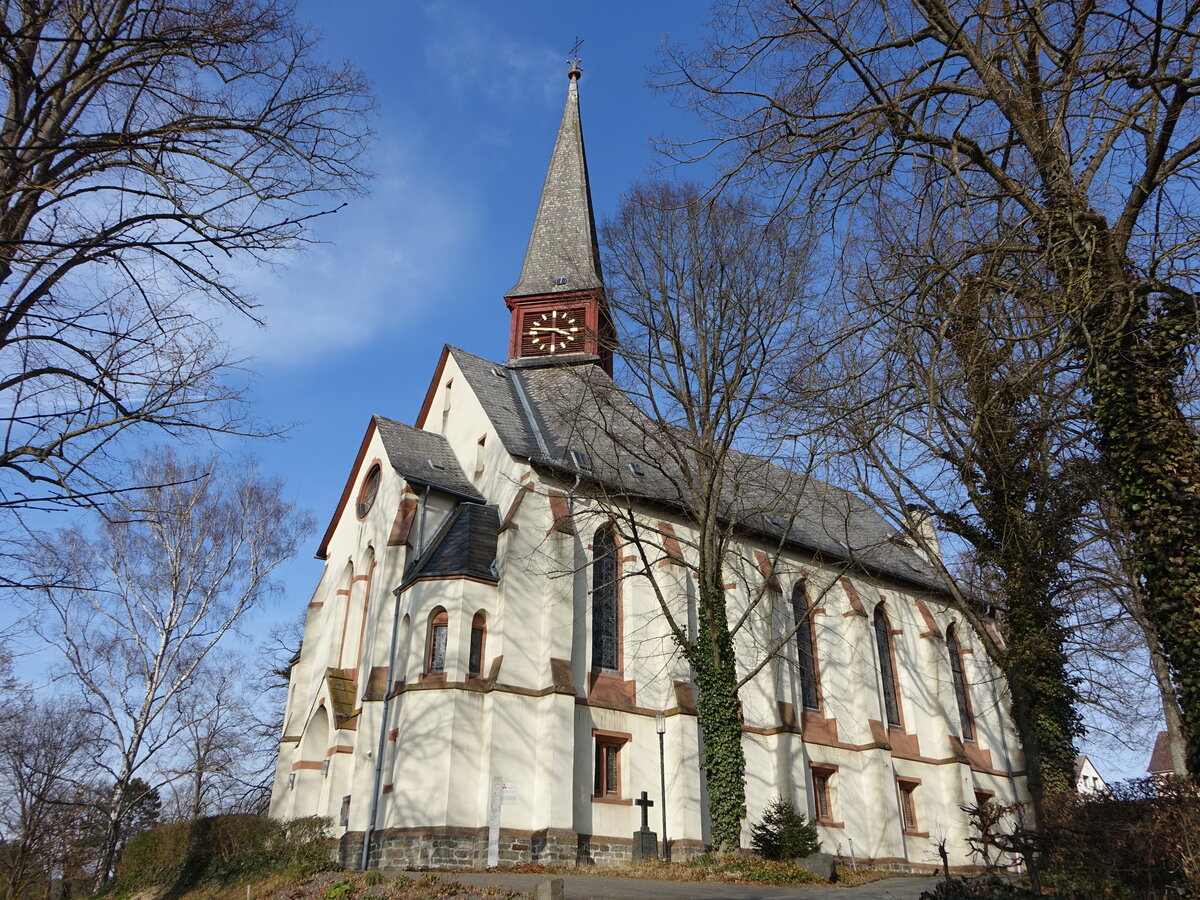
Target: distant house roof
(464, 545)
(575, 420)
(1160, 759)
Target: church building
(486, 676)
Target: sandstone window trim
(962, 692)
(608, 760)
(806, 648)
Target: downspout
(387, 700)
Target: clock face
(555, 331)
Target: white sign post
(493, 859)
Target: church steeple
(557, 304)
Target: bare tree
(1067, 134)
(705, 296)
(44, 748)
(147, 147)
(219, 754)
(961, 401)
(136, 608)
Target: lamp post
(660, 725)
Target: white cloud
(475, 56)
(377, 264)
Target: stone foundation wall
(466, 848)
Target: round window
(366, 497)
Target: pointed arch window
(887, 667)
(439, 627)
(961, 694)
(806, 648)
(606, 625)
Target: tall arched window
(439, 627)
(478, 635)
(961, 695)
(606, 626)
(887, 670)
(806, 649)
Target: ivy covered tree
(1067, 135)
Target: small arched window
(606, 626)
(478, 636)
(961, 694)
(439, 627)
(806, 648)
(887, 669)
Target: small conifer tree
(783, 833)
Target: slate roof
(562, 245)
(464, 545)
(424, 457)
(544, 414)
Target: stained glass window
(806, 651)
(438, 626)
(821, 800)
(605, 614)
(960, 685)
(883, 640)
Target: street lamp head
(660, 723)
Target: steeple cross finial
(574, 72)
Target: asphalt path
(599, 887)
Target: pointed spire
(563, 253)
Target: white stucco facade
(532, 715)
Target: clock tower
(557, 305)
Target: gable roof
(420, 457)
(464, 545)
(563, 253)
(539, 414)
(425, 458)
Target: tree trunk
(720, 720)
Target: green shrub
(222, 849)
(784, 833)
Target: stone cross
(645, 803)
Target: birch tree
(137, 606)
